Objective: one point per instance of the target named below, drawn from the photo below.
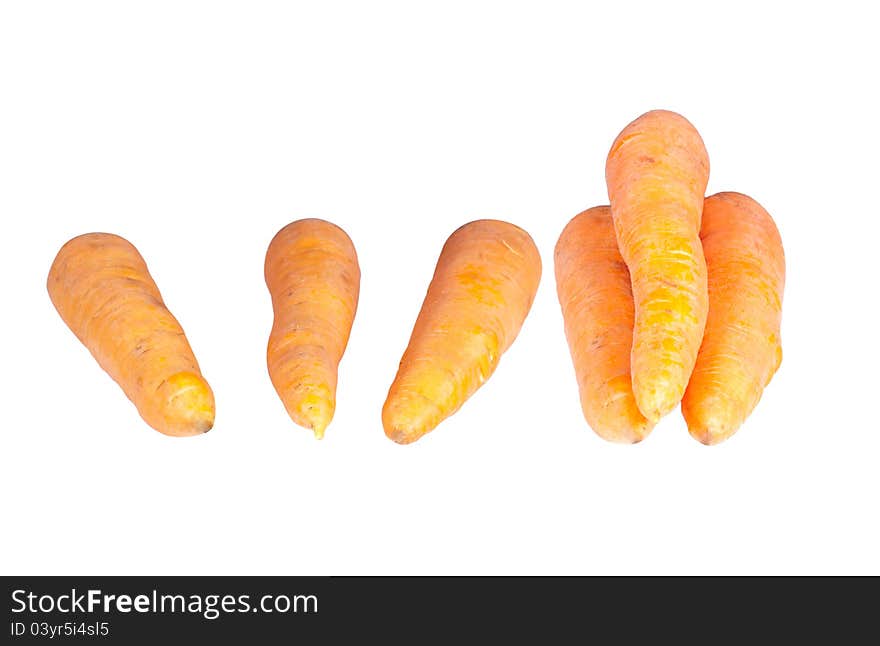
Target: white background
(196, 130)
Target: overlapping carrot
(101, 287)
(313, 277)
(656, 173)
(481, 292)
(741, 349)
(593, 286)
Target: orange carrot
(593, 286)
(482, 290)
(657, 172)
(741, 350)
(313, 276)
(101, 287)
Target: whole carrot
(313, 276)
(741, 349)
(594, 291)
(482, 290)
(657, 172)
(101, 287)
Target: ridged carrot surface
(313, 277)
(482, 290)
(741, 349)
(101, 287)
(656, 173)
(594, 291)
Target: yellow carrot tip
(655, 401)
(188, 405)
(313, 412)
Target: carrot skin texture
(313, 276)
(101, 287)
(741, 349)
(657, 171)
(483, 287)
(593, 286)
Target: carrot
(741, 350)
(482, 290)
(594, 291)
(101, 287)
(657, 172)
(313, 276)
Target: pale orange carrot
(741, 349)
(594, 291)
(482, 290)
(657, 172)
(313, 276)
(101, 287)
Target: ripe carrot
(313, 276)
(741, 350)
(657, 172)
(482, 290)
(101, 287)
(594, 291)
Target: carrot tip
(628, 435)
(191, 428)
(188, 405)
(710, 426)
(312, 410)
(634, 437)
(401, 436)
(710, 435)
(656, 401)
(203, 426)
(713, 419)
(705, 437)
